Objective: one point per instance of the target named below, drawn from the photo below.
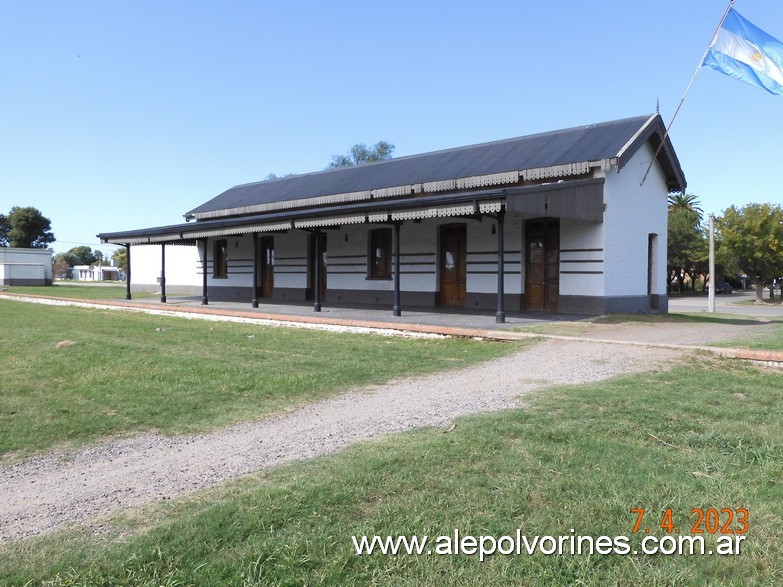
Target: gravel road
(41, 494)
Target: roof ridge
(644, 117)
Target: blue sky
(122, 115)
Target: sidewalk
(424, 322)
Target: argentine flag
(745, 52)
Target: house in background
(25, 266)
(95, 273)
(556, 222)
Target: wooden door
(542, 266)
(266, 255)
(311, 266)
(453, 264)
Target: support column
(254, 303)
(500, 314)
(397, 310)
(317, 271)
(128, 273)
(163, 273)
(204, 298)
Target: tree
(686, 245)
(361, 153)
(82, 255)
(690, 202)
(4, 228)
(751, 240)
(121, 257)
(61, 267)
(27, 228)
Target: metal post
(397, 310)
(500, 314)
(254, 303)
(128, 273)
(163, 273)
(317, 271)
(204, 298)
(711, 295)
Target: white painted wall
(182, 267)
(291, 259)
(240, 262)
(25, 265)
(632, 212)
(581, 249)
(347, 259)
(482, 256)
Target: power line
(88, 244)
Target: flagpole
(711, 269)
(693, 77)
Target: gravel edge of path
(48, 492)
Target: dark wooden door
(542, 267)
(266, 255)
(453, 264)
(311, 266)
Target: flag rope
(693, 77)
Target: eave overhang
(654, 131)
(413, 189)
(334, 215)
(471, 203)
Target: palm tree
(690, 202)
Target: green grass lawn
(769, 339)
(709, 434)
(72, 375)
(768, 332)
(80, 292)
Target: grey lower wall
(289, 294)
(659, 303)
(590, 305)
(486, 301)
(381, 297)
(182, 290)
(597, 305)
(33, 282)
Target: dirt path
(42, 494)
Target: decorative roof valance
(334, 221)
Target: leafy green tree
(686, 246)
(82, 255)
(361, 153)
(66, 258)
(121, 257)
(4, 228)
(751, 240)
(27, 228)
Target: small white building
(95, 273)
(564, 221)
(25, 266)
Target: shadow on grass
(679, 318)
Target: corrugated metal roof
(593, 142)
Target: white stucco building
(558, 222)
(95, 273)
(25, 266)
